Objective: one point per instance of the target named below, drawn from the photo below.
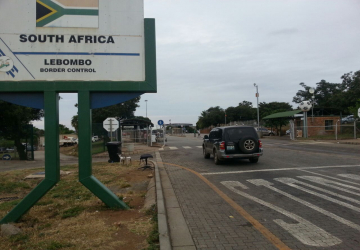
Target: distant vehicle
(348, 119)
(265, 131)
(232, 142)
(95, 138)
(9, 150)
(288, 132)
(67, 141)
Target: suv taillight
(222, 146)
(260, 144)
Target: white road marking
(329, 183)
(186, 147)
(279, 169)
(173, 148)
(323, 190)
(351, 176)
(330, 177)
(304, 231)
(290, 182)
(161, 148)
(261, 182)
(199, 146)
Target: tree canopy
(123, 110)
(14, 120)
(65, 130)
(211, 117)
(342, 96)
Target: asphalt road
(304, 194)
(39, 162)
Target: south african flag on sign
(67, 13)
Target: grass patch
(8, 186)
(8, 205)
(153, 238)
(19, 238)
(72, 212)
(69, 216)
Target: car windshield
(235, 134)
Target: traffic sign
(160, 122)
(111, 124)
(6, 157)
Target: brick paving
(212, 222)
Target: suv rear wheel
(206, 155)
(248, 145)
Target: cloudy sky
(211, 52)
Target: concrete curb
(164, 236)
(179, 233)
(150, 198)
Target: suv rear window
(235, 134)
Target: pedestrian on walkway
(194, 132)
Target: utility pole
(257, 99)
(146, 107)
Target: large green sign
(24, 78)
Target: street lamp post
(225, 117)
(146, 107)
(257, 100)
(312, 91)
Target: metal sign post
(111, 125)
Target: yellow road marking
(262, 229)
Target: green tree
(326, 94)
(341, 96)
(211, 117)
(13, 123)
(65, 130)
(266, 109)
(350, 91)
(123, 110)
(75, 123)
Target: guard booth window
(329, 125)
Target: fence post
(336, 130)
(354, 129)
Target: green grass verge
(98, 147)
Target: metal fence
(335, 131)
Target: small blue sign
(160, 122)
(6, 157)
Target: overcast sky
(211, 52)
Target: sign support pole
(52, 159)
(85, 166)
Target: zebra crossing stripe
(199, 146)
(173, 148)
(186, 147)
